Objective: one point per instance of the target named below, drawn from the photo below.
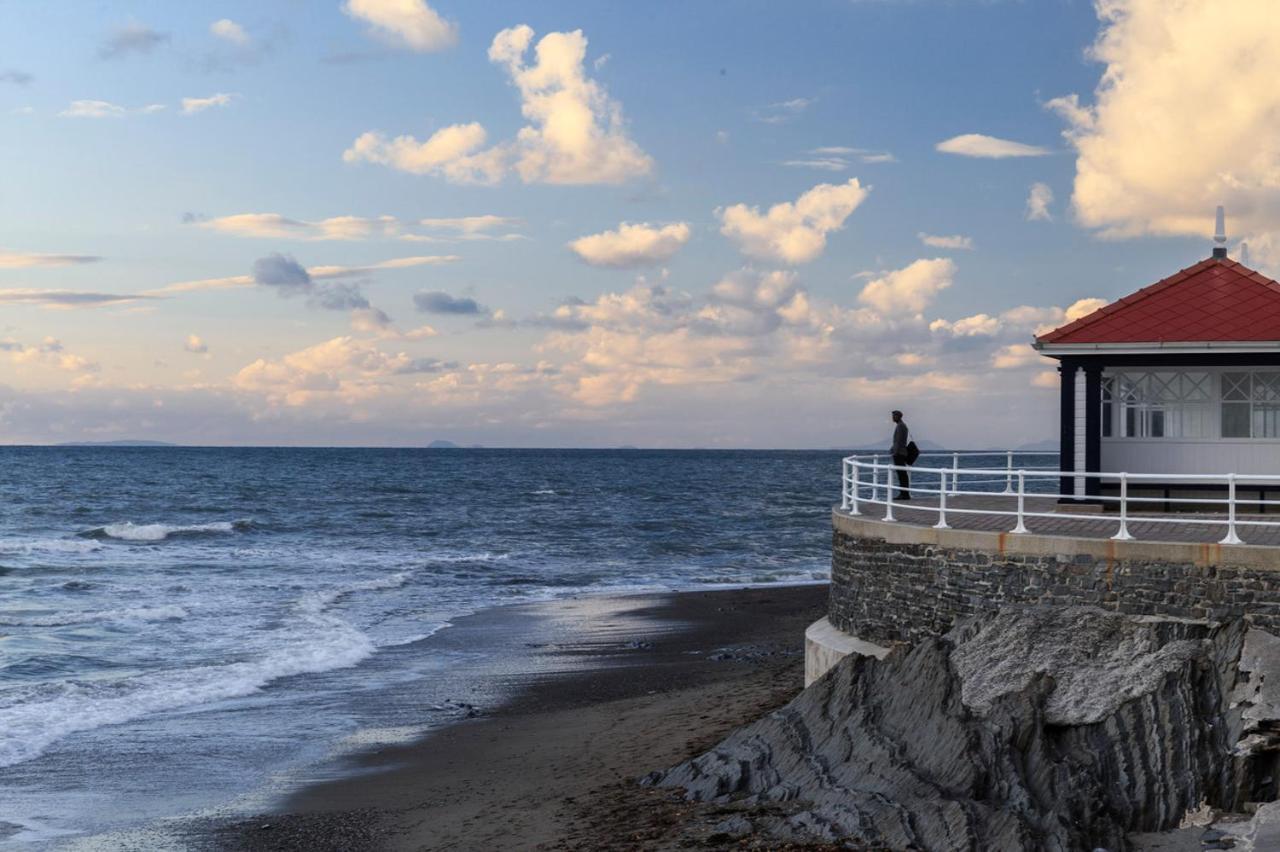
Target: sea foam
(129, 531)
(36, 717)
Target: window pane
(1157, 423)
(1106, 419)
(1266, 420)
(1195, 387)
(1235, 386)
(1266, 387)
(1131, 421)
(1235, 420)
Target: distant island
(116, 444)
(450, 445)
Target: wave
(545, 491)
(62, 619)
(320, 642)
(129, 531)
(469, 557)
(28, 546)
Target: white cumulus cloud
(1039, 197)
(911, 289)
(410, 24)
(632, 245)
(575, 135)
(793, 232)
(1186, 116)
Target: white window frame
(1113, 409)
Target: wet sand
(625, 686)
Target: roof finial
(1220, 233)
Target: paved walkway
(972, 512)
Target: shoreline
(623, 685)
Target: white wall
(1177, 455)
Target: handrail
(859, 492)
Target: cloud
(195, 344)
(837, 158)
(1038, 200)
(632, 245)
(575, 135)
(1147, 160)
(911, 289)
(105, 109)
(62, 299)
(275, 226)
(454, 153)
(408, 24)
(956, 241)
(990, 147)
(50, 353)
(16, 77)
(131, 39)
(793, 232)
(470, 227)
(782, 111)
(283, 272)
(1083, 308)
(93, 109)
(26, 260)
(319, 273)
(344, 366)
(439, 302)
(228, 30)
(191, 106)
(830, 164)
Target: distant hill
(925, 445)
(116, 444)
(1049, 444)
(443, 445)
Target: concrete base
(825, 645)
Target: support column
(1067, 434)
(1093, 429)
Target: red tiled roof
(1217, 300)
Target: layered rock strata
(1044, 729)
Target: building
(1181, 377)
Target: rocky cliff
(1050, 729)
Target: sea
(192, 630)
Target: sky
(594, 224)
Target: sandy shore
(628, 685)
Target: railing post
(1008, 473)
(853, 486)
(875, 478)
(888, 492)
(1122, 534)
(1022, 489)
(1231, 537)
(844, 485)
(942, 500)
(955, 475)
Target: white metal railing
(862, 487)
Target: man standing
(901, 437)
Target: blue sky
(157, 144)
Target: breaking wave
(129, 531)
(142, 613)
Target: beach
(625, 686)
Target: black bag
(913, 452)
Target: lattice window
(1251, 405)
(1165, 404)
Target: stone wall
(884, 591)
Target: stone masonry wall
(886, 592)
